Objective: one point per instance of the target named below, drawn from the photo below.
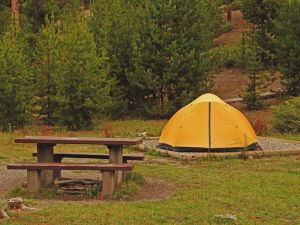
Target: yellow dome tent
(208, 124)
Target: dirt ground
(153, 189)
(231, 82)
(231, 38)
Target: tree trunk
(15, 12)
(229, 13)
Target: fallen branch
(3, 214)
(18, 204)
(270, 94)
(74, 182)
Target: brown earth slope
(231, 82)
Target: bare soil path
(233, 37)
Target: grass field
(11, 152)
(257, 191)
(261, 191)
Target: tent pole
(209, 126)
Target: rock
(18, 204)
(227, 216)
(15, 203)
(142, 134)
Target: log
(74, 182)
(266, 95)
(72, 188)
(70, 192)
(253, 154)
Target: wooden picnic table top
(78, 140)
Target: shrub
(223, 57)
(236, 5)
(287, 116)
(260, 127)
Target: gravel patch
(266, 143)
(10, 179)
(278, 144)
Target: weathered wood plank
(60, 155)
(71, 166)
(78, 140)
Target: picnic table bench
(48, 161)
(57, 157)
(108, 171)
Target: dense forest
(69, 63)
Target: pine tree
(170, 71)
(14, 83)
(155, 51)
(288, 45)
(46, 67)
(82, 89)
(262, 14)
(112, 28)
(254, 67)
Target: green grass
(11, 152)
(259, 191)
(287, 136)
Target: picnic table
(45, 151)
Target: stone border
(202, 155)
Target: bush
(236, 5)
(287, 116)
(223, 57)
(226, 27)
(260, 127)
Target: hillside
(230, 82)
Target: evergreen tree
(169, 70)
(262, 14)
(288, 45)
(5, 14)
(155, 50)
(46, 67)
(254, 67)
(82, 89)
(14, 83)
(112, 27)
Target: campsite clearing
(261, 191)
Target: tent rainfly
(208, 124)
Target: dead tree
(15, 12)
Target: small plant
(260, 127)
(107, 131)
(45, 130)
(131, 185)
(286, 116)
(134, 177)
(156, 153)
(93, 192)
(258, 79)
(42, 194)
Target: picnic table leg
(45, 154)
(116, 156)
(57, 173)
